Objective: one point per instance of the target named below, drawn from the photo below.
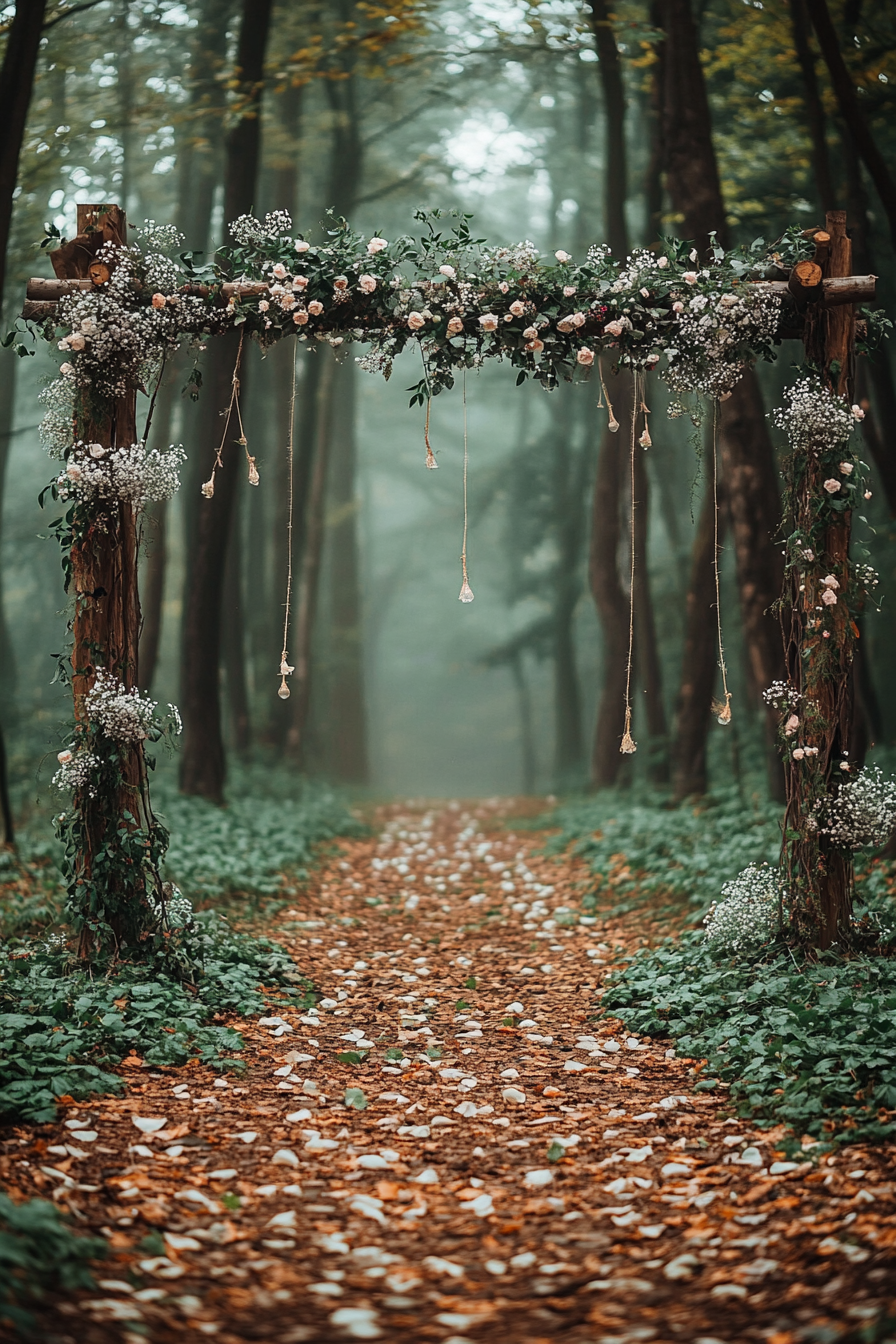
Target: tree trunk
(309, 572)
(155, 536)
(820, 873)
(203, 764)
(527, 731)
(747, 456)
(16, 83)
(851, 111)
(611, 600)
(698, 663)
(615, 157)
(815, 117)
(649, 665)
(8, 678)
(568, 480)
(346, 748)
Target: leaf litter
(490, 1158)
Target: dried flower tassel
(283, 691)
(723, 711)
(613, 423)
(645, 439)
(431, 462)
(466, 592)
(253, 472)
(628, 746)
(208, 488)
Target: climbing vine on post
(117, 312)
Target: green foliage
(65, 1027)
(38, 1255)
(812, 1044)
(684, 853)
(252, 843)
(355, 1098)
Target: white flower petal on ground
(513, 1094)
(358, 1322)
(247, 1136)
(438, 1265)
(148, 1124)
(285, 1157)
(285, 1219)
(536, 1179)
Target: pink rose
(300, 317)
(690, 277)
(455, 325)
(376, 245)
(488, 322)
(280, 271)
(300, 282)
(832, 486)
(585, 356)
(535, 345)
(829, 597)
(568, 291)
(562, 256)
(448, 271)
(614, 328)
(416, 321)
(517, 308)
(341, 282)
(301, 245)
(367, 284)
(315, 307)
(158, 300)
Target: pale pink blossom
(615, 328)
(829, 581)
(76, 342)
(829, 597)
(690, 277)
(798, 754)
(280, 271)
(416, 321)
(341, 282)
(791, 726)
(585, 356)
(263, 305)
(832, 486)
(568, 291)
(66, 370)
(504, 287)
(315, 307)
(376, 245)
(300, 282)
(455, 325)
(448, 271)
(662, 262)
(73, 471)
(811, 751)
(858, 413)
(846, 468)
(287, 302)
(645, 293)
(565, 324)
(488, 322)
(301, 245)
(562, 256)
(64, 757)
(367, 284)
(867, 492)
(96, 450)
(530, 333)
(158, 300)
(535, 345)
(678, 306)
(300, 317)
(517, 308)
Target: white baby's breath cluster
(814, 418)
(251, 232)
(131, 474)
(712, 332)
(58, 399)
(77, 772)
(748, 913)
(176, 910)
(781, 696)
(125, 716)
(862, 813)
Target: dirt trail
(520, 1169)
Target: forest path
(520, 1169)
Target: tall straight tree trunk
(649, 668)
(748, 462)
(312, 552)
(198, 167)
(698, 669)
(203, 765)
(815, 117)
(8, 678)
(615, 156)
(16, 83)
(346, 746)
(851, 111)
(611, 600)
(527, 728)
(569, 517)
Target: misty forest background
(505, 111)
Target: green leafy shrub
(63, 1028)
(811, 1044)
(676, 853)
(38, 1255)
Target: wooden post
(821, 875)
(106, 620)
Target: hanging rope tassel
(720, 708)
(430, 455)
(628, 746)
(466, 592)
(208, 487)
(285, 669)
(612, 423)
(645, 439)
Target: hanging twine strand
(285, 669)
(612, 423)
(466, 592)
(721, 709)
(208, 489)
(431, 462)
(628, 746)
